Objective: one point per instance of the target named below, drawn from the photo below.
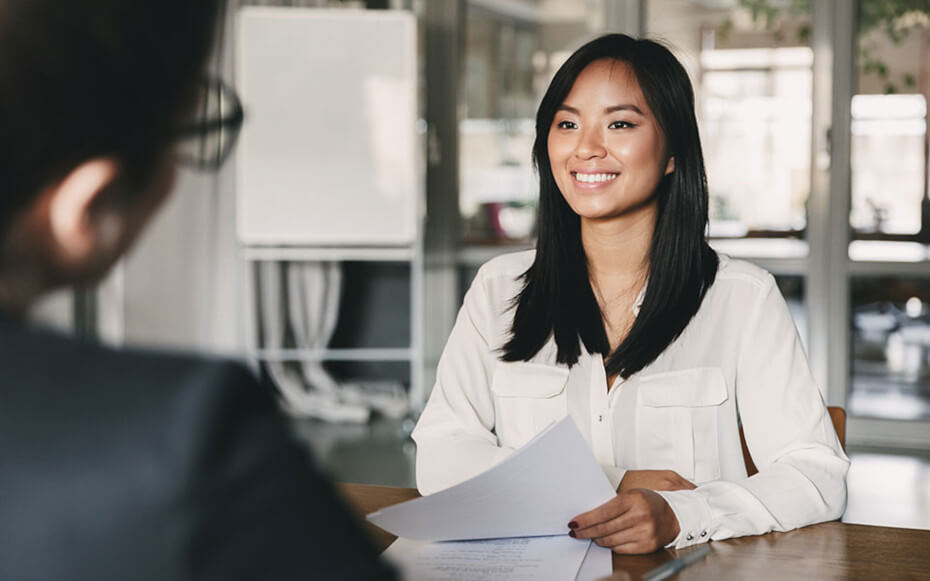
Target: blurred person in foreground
(131, 464)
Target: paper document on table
(534, 492)
(518, 559)
(597, 564)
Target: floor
(886, 487)
(379, 452)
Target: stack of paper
(509, 522)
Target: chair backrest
(837, 416)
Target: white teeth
(592, 178)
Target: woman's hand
(654, 480)
(633, 522)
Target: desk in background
(827, 551)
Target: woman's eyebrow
(625, 107)
(608, 110)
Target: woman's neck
(617, 250)
(617, 254)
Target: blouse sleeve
(454, 435)
(802, 467)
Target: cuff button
(690, 537)
(703, 533)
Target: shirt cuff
(614, 475)
(693, 514)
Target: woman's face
(605, 146)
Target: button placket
(598, 398)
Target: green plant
(895, 19)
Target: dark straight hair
(557, 299)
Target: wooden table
(826, 551)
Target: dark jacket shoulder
(135, 464)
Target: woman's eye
(566, 125)
(621, 125)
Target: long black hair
(557, 298)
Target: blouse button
(600, 418)
(690, 537)
(703, 533)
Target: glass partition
(889, 198)
(890, 348)
(511, 51)
(752, 72)
(889, 215)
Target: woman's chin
(598, 213)
(606, 212)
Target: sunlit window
(887, 157)
(756, 133)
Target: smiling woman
(610, 321)
(625, 107)
(606, 150)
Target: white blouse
(739, 359)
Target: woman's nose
(590, 145)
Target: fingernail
(573, 525)
(571, 534)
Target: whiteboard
(328, 153)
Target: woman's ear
(670, 165)
(81, 230)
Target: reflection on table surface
(829, 551)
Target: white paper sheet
(517, 559)
(536, 491)
(597, 564)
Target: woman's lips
(593, 179)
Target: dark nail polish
(573, 525)
(571, 534)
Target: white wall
(184, 284)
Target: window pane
(889, 212)
(757, 160)
(512, 49)
(889, 122)
(891, 348)
(753, 83)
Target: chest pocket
(527, 398)
(677, 414)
